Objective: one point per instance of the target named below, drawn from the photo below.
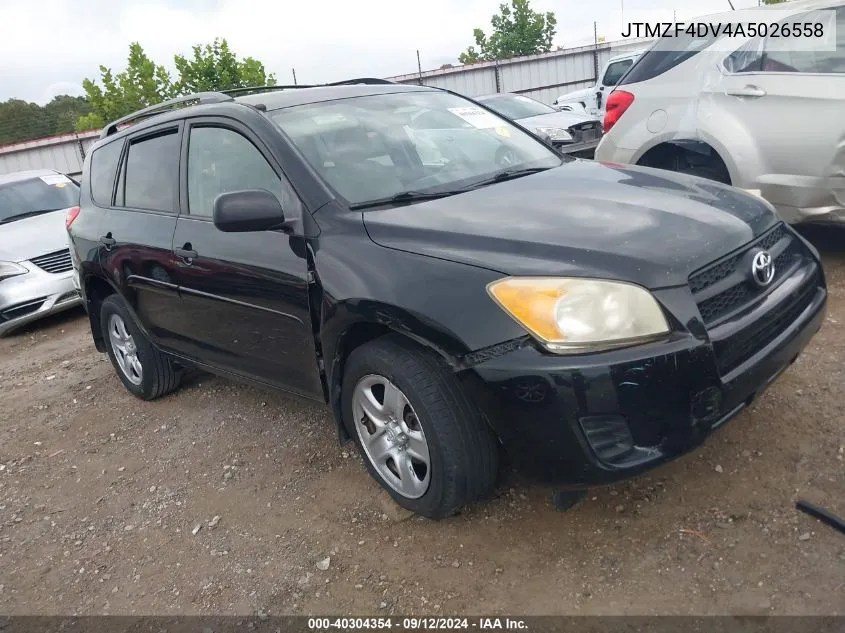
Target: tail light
(72, 214)
(617, 103)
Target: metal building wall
(63, 153)
(543, 77)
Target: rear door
(136, 232)
(791, 102)
(244, 296)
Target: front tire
(420, 436)
(146, 372)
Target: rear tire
(448, 457)
(146, 372)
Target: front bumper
(586, 149)
(34, 295)
(667, 396)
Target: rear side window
(664, 56)
(103, 167)
(152, 171)
(615, 71)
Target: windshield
(36, 195)
(517, 106)
(379, 146)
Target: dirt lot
(101, 497)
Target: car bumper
(578, 150)
(29, 297)
(567, 420)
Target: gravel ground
(222, 499)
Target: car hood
(583, 218)
(30, 237)
(556, 119)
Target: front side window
(33, 196)
(222, 160)
(517, 106)
(377, 146)
(615, 71)
(152, 171)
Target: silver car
(573, 133)
(36, 272)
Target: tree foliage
(215, 67)
(774, 1)
(517, 30)
(143, 82)
(21, 120)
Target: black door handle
(108, 240)
(185, 252)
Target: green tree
(141, 84)
(22, 121)
(517, 30)
(215, 67)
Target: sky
(48, 47)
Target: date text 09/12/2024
(416, 623)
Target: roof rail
(361, 80)
(165, 106)
(260, 89)
(223, 96)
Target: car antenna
(732, 5)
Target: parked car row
(456, 289)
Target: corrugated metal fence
(543, 77)
(63, 153)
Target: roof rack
(165, 106)
(221, 97)
(361, 80)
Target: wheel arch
(356, 323)
(96, 291)
(663, 152)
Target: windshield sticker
(59, 180)
(503, 131)
(476, 117)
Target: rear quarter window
(664, 56)
(103, 169)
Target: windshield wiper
(406, 196)
(28, 214)
(507, 174)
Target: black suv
(455, 289)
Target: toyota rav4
(456, 290)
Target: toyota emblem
(763, 268)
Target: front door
(244, 295)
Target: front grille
(58, 262)
(583, 132)
(724, 287)
(738, 348)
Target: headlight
(555, 133)
(10, 269)
(579, 315)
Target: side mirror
(248, 210)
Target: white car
(747, 112)
(592, 100)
